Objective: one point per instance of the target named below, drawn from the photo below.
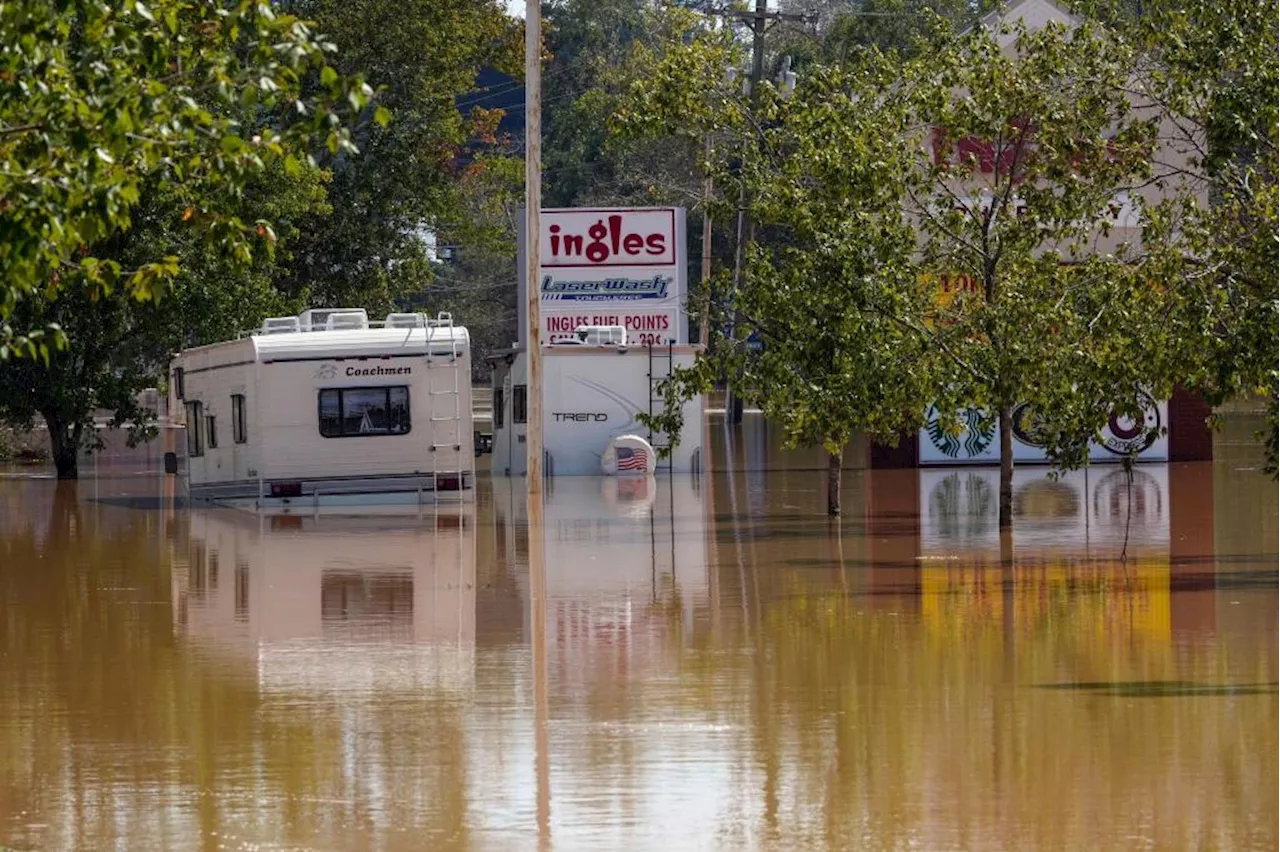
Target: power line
(510, 86)
(519, 107)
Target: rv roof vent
(346, 319)
(280, 325)
(406, 321)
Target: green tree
(119, 345)
(1037, 153)
(1006, 156)
(830, 292)
(413, 176)
(1210, 71)
(834, 32)
(99, 97)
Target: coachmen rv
(594, 386)
(328, 408)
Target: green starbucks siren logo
(979, 432)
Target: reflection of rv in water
(626, 562)
(328, 407)
(333, 603)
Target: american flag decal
(632, 459)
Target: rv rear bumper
(410, 487)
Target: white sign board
(979, 443)
(610, 266)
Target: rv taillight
(446, 483)
(286, 489)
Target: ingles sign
(613, 238)
(623, 266)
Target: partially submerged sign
(979, 439)
(611, 266)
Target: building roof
(1034, 14)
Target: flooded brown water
(704, 665)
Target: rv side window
(211, 430)
(179, 383)
(353, 412)
(498, 413)
(239, 430)
(519, 404)
(195, 422)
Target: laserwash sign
(611, 266)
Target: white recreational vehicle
(594, 386)
(326, 407)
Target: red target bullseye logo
(1124, 428)
(1125, 434)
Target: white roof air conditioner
(406, 321)
(317, 319)
(346, 320)
(280, 325)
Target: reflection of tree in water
(853, 709)
(960, 506)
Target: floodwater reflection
(720, 666)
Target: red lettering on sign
(607, 241)
(653, 322)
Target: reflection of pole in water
(538, 625)
(730, 446)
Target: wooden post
(533, 239)
(533, 426)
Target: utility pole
(758, 21)
(704, 327)
(533, 408)
(533, 238)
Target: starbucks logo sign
(979, 432)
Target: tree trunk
(64, 441)
(1006, 465)
(835, 461)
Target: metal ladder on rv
(661, 364)
(444, 393)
